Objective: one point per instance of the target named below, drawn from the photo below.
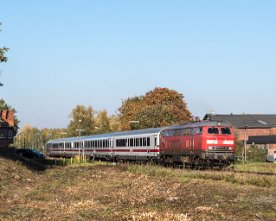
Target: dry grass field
(101, 191)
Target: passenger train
(206, 143)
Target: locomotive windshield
(215, 130)
(225, 130)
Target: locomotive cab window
(225, 130)
(213, 130)
(197, 130)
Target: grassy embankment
(101, 191)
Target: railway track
(251, 172)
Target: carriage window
(131, 142)
(225, 130)
(148, 141)
(213, 130)
(121, 142)
(144, 142)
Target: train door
(81, 149)
(110, 144)
(156, 145)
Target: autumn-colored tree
(28, 137)
(159, 107)
(102, 122)
(128, 111)
(114, 123)
(32, 137)
(172, 100)
(82, 121)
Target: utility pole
(245, 143)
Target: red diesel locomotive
(205, 143)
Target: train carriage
(129, 145)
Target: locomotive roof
(210, 123)
(142, 131)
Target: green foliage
(159, 107)
(114, 123)
(3, 58)
(102, 122)
(256, 154)
(33, 137)
(82, 121)
(253, 152)
(3, 50)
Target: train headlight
(229, 148)
(211, 148)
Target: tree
(3, 58)
(102, 122)
(172, 100)
(28, 137)
(82, 121)
(32, 137)
(159, 107)
(114, 123)
(128, 111)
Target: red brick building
(7, 127)
(259, 129)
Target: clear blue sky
(221, 55)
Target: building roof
(270, 139)
(245, 120)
